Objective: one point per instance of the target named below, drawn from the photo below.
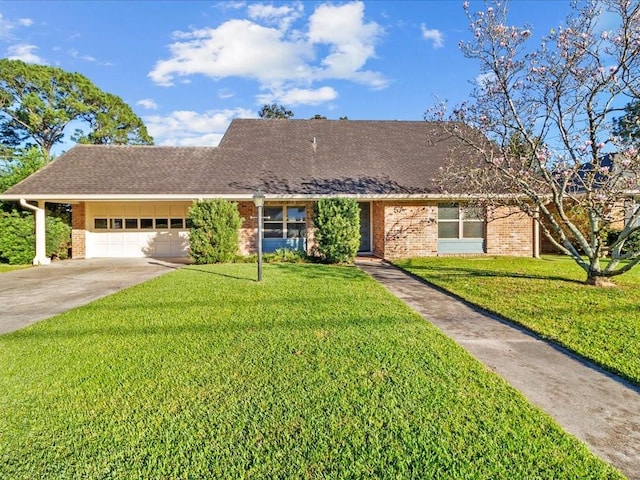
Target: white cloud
(75, 54)
(279, 56)
(352, 42)
(6, 25)
(236, 48)
(225, 93)
(189, 128)
(433, 35)
(24, 52)
(283, 16)
(300, 96)
(147, 103)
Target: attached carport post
(41, 232)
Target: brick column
(78, 230)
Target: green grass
(547, 296)
(7, 268)
(317, 372)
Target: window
(100, 223)
(146, 223)
(457, 222)
(285, 222)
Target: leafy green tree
(17, 167)
(337, 222)
(213, 237)
(628, 126)
(38, 102)
(274, 111)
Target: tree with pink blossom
(558, 100)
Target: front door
(365, 227)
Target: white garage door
(137, 244)
(136, 230)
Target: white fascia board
(62, 198)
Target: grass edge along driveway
(548, 297)
(318, 372)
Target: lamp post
(258, 200)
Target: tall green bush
(18, 238)
(337, 222)
(213, 236)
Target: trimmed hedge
(337, 222)
(213, 236)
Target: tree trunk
(598, 280)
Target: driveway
(33, 294)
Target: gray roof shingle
(294, 157)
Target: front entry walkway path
(599, 408)
(33, 294)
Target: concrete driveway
(33, 294)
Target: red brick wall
(78, 230)
(509, 232)
(248, 228)
(410, 229)
(377, 226)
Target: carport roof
(277, 156)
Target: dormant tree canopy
(550, 111)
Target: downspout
(41, 239)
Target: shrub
(213, 237)
(631, 245)
(18, 239)
(337, 222)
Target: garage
(136, 229)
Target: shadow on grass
(474, 272)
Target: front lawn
(547, 296)
(318, 372)
(4, 267)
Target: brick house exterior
(133, 200)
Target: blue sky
(187, 68)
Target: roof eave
(75, 198)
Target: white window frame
(461, 220)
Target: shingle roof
(312, 157)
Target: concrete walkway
(600, 409)
(33, 294)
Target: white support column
(536, 234)
(41, 232)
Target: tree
(558, 100)
(38, 102)
(274, 111)
(19, 165)
(627, 127)
(337, 234)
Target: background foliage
(17, 237)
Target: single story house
(132, 201)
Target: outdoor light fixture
(258, 200)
